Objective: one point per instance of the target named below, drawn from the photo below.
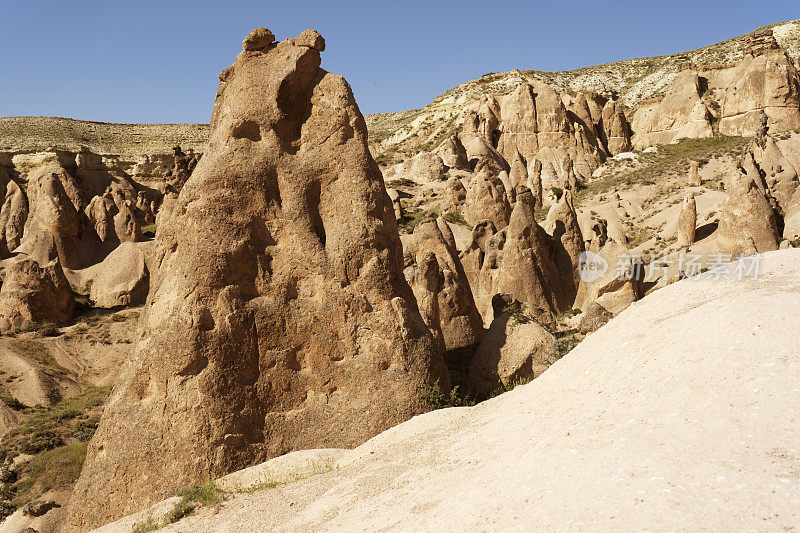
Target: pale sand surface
(682, 413)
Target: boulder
(121, 279)
(619, 279)
(32, 293)
(510, 351)
(274, 324)
(593, 317)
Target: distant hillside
(21, 134)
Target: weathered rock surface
(275, 324)
(486, 200)
(767, 82)
(687, 222)
(619, 285)
(680, 114)
(746, 215)
(32, 293)
(593, 317)
(456, 313)
(121, 279)
(13, 214)
(520, 261)
(511, 350)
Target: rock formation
(747, 214)
(121, 279)
(32, 293)
(687, 222)
(457, 316)
(562, 225)
(13, 214)
(453, 153)
(694, 174)
(275, 324)
(619, 285)
(486, 199)
(473, 255)
(454, 196)
(680, 114)
(615, 128)
(511, 350)
(765, 80)
(520, 262)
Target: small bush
(517, 312)
(151, 524)
(85, 429)
(455, 217)
(557, 192)
(181, 510)
(45, 329)
(435, 399)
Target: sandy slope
(683, 413)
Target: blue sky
(147, 61)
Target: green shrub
(455, 217)
(435, 399)
(517, 312)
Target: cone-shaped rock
(278, 317)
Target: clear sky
(157, 61)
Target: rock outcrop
(121, 279)
(279, 323)
(487, 200)
(510, 351)
(746, 216)
(13, 214)
(687, 222)
(680, 114)
(456, 314)
(520, 262)
(32, 293)
(766, 80)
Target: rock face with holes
(278, 317)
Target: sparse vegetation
(36, 350)
(455, 217)
(56, 437)
(517, 312)
(436, 399)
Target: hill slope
(680, 414)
